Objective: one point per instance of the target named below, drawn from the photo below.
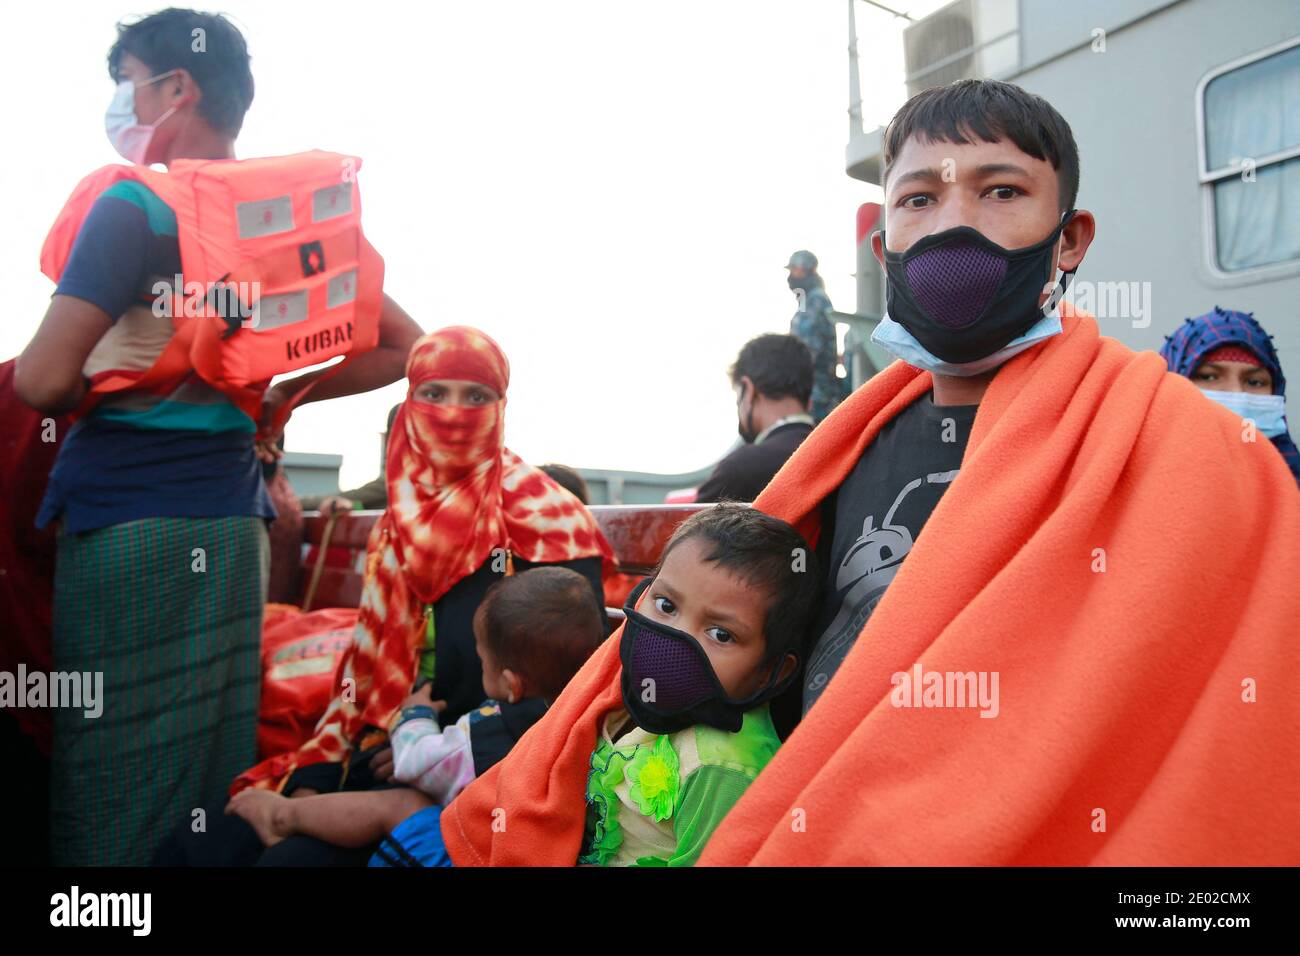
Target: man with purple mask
(981, 180)
(1027, 521)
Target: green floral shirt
(654, 800)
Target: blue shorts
(417, 841)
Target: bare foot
(269, 814)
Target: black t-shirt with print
(870, 523)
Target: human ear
(878, 246)
(779, 672)
(192, 93)
(747, 388)
(515, 685)
(175, 90)
(787, 667)
(1075, 239)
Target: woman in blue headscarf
(1230, 357)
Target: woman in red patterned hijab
(458, 500)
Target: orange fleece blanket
(1114, 551)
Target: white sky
(609, 189)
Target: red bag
(300, 653)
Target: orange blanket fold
(1114, 552)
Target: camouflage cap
(802, 259)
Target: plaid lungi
(176, 634)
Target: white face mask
(130, 138)
(1266, 411)
(900, 343)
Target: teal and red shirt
(188, 453)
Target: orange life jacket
(277, 274)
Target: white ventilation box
(968, 39)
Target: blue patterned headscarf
(1196, 338)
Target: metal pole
(855, 87)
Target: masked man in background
(773, 379)
(812, 324)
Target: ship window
(1249, 114)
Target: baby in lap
(533, 631)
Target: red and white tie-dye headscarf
(455, 493)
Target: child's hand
(423, 698)
(381, 765)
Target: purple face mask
(964, 297)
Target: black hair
(990, 110)
(217, 58)
(569, 480)
(768, 554)
(543, 624)
(780, 366)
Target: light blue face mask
(900, 343)
(1266, 411)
